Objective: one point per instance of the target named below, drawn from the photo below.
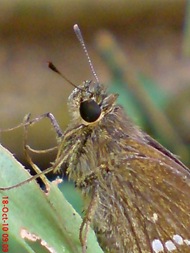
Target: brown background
(33, 32)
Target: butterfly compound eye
(90, 111)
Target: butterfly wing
(150, 199)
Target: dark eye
(90, 111)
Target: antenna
(52, 67)
(81, 40)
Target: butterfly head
(90, 102)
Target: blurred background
(139, 49)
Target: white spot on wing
(170, 245)
(186, 241)
(157, 246)
(178, 239)
(154, 217)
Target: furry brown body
(140, 191)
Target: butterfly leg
(85, 226)
(27, 122)
(45, 115)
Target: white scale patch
(170, 245)
(178, 239)
(154, 218)
(187, 242)
(158, 246)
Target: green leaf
(38, 221)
